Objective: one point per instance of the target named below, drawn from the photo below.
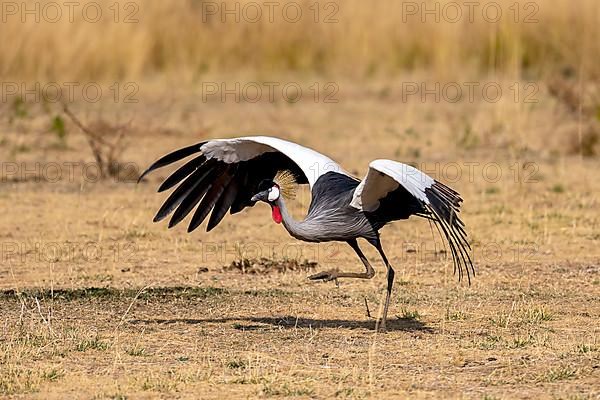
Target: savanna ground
(99, 302)
(96, 301)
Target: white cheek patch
(273, 193)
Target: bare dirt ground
(98, 302)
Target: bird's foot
(325, 276)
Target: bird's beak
(262, 196)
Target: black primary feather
(172, 157)
(223, 205)
(202, 186)
(182, 191)
(209, 200)
(181, 173)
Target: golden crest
(286, 181)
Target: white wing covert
(312, 163)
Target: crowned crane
(231, 174)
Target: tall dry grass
(369, 38)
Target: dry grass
(369, 38)
(97, 302)
(163, 318)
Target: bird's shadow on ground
(291, 322)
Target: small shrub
(136, 351)
(92, 344)
(237, 364)
(58, 127)
(586, 348)
(560, 373)
(410, 314)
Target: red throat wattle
(276, 213)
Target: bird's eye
(273, 193)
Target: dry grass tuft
(268, 266)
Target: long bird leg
(390, 283)
(333, 275)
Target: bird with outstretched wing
(224, 175)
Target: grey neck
(295, 228)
